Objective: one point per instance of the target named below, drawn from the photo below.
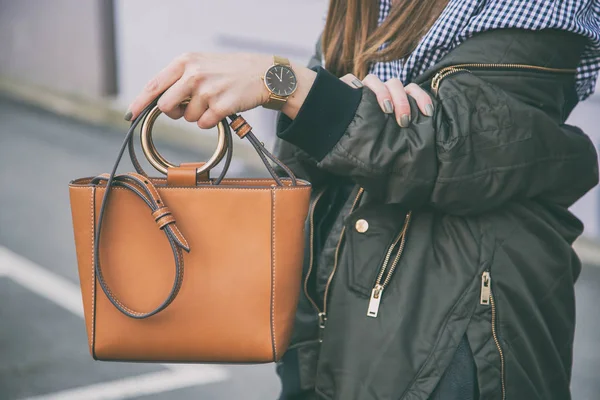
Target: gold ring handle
(158, 161)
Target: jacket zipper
(323, 313)
(486, 295)
(311, 222)
(377, 292)
(487, 298)
(444, 72)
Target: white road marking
(68, 295)
(41, 281)
(3, 268)
(139, 385)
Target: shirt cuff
(323, 118)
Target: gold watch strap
(280, 61)
(277, 102)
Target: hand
(392, 96)
(218, 85)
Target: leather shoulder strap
(145, 190)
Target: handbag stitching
(87, 185)
(178, 234)
(236, 180)
(181, 271)
(92, 226)
(163, 181)
(273, 339)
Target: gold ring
(158, 161)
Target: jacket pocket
(372, 231)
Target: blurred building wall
(62, 44)
(151, 33)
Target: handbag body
(187, 268)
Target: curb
(107, 112)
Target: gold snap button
(361, 225)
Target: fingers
(400, 100)
(392, 97)
(170, 102)
(167, 77)
(210, 118)
(422, 98)
(384, 98)
(216, 112)
(196, 107)
(352, 81)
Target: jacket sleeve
(482, 148)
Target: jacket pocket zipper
(323, 313)
(311, 223)
(444, 72)
(377, 292)
(487, 298)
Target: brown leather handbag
(188, 268)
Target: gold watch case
(277, 101)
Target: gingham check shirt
(462, 19)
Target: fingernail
(128, 116)
(357, 83)
(388, 107)
(404, 120)
(429, 110)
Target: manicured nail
(429, 110)
(388, 107)
(357, 83)
(128, 116)
(404, 120)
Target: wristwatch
(281, 82)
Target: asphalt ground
(43, 345)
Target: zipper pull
(435, 82)
(322, 321)
(486, 291)
(374, 301)
(437, 78)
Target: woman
(439, 261)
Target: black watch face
(281, 80)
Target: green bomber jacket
(457, 225)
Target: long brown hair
(352, 39)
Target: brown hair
(352, 39)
